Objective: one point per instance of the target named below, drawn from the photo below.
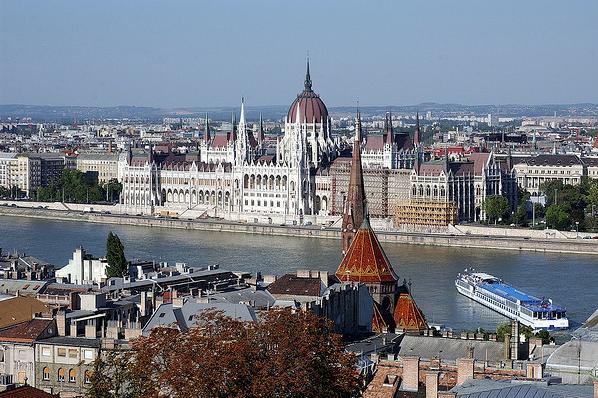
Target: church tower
(355, 203)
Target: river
(570, 280)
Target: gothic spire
(206, 133)
(307, 77)
(355, 206)
(242, 117)
(388, 128)
(417, 134)
(260, 136)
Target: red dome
(311, 107)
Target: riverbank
(457, 239)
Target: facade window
(60, 375)
(72, 353)
(61, 352)
(46, 373)
(72, 376)
(88, 354)
(87, 378)
(46, 351)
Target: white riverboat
(505, 299)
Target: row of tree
(568, 207)
(284, 354)
(76, 187)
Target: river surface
(570, 280)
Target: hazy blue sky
(203, 53)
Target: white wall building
(83, 269)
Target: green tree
(520, 216)
(496, 207)
(115, 255)
(558, 216)
(113, 188)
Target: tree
(285, 354)
(115, 255)
(496, 207)
(520, 216)
(558, 216)
(112, 376)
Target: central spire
(355, 211)
(307, 77)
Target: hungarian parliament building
(233, 175)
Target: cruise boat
(510, 302)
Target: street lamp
(576, 229)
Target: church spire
(206, 133)
(388, 128)
(242, 117)
(307, 77)
(417, 133)
(355, 205)
(260, 136)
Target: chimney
(514, 339)
(464, 369)
(507, 347)
(431, 384)
(534, 371)
(410, 373)
(61, 323)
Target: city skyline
(198, 55)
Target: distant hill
(70, 114)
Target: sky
(211, 53)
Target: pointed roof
(206, 133)
(365, 260)
(389, 134)
(417, 133)
(354, 212)
(407, 314)
(261, 137)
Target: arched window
(60, 375)
(72, 376)
(414, 191)
(46, 373)
(427, 190)
(87, 378)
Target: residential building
(64, 364)
(17, 349)
(83, 269)
(19, 309)
(103, 167)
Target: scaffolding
(425, 212)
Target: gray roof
(518, 389)
(98, 156)
(71, 341)
(450, 349)
(248, 295)
(184, 317)
(29, 288)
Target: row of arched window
(264, 182)
(72, 375)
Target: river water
(570, 280)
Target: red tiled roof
(374, 142)
(25, 332)
(26, 392)
(220, 141)
(407, 314)
(365, 260)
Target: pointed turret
(417, 133)
(206, 133)
(389, 133)
(233, 133)
(354, 211)
(242, 117)
(260, 136)
(307, 83)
